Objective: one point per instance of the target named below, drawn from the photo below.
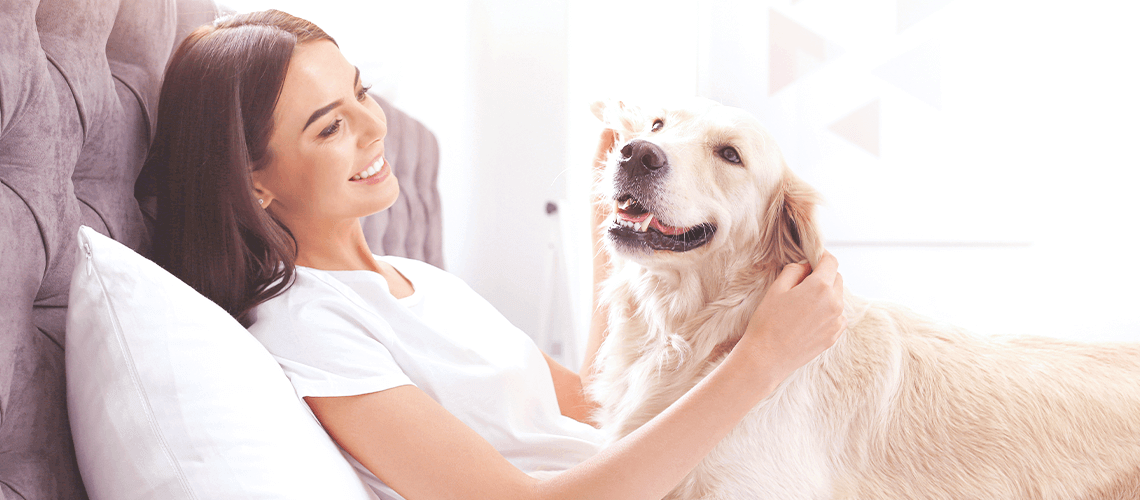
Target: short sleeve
(327, 345)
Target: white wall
(1003, 202)
(992, 182)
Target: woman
(267, 151)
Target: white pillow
(170, 398)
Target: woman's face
(327, 146)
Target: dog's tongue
(669, 230)
(633, 218)
(653, 222)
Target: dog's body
(900, 407)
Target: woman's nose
(374, 124)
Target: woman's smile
(376, 173)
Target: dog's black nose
(641, 157)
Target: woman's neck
(342, 247)
(334, 247)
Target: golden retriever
(901, 407)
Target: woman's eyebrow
(321, 112)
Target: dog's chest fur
(662, 343)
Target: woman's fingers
(827, 268)
(792, 275)
(800, 316)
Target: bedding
(169, 397)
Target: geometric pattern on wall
(905, 131)
(793, 51)
(856, 104)
(918, 73)
(861, 127)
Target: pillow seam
(137, 384)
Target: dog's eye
(657, 124)
(729, 153)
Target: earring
(260, 201)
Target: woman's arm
(572, 400)
(602, 211)
(568, 385)
(419, 449)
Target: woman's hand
(800, 316)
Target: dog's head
(699, 180)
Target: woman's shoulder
(309, 282)
(409, 263)
(311, 290)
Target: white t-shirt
(342, 333)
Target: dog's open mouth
(638, 227)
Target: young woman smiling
(268, 150)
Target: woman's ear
(790, 233)
(260, 192)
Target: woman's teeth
(370, 171)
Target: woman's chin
(388, 196)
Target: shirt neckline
(409, 300)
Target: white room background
(979, 158)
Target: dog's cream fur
(902, 407)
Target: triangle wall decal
(861, 127)
(918, 73)
(793, 51)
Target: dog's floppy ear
(790, 233)
(598, 108)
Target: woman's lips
(383, 173)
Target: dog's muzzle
(641, 169)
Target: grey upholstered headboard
(79, 83)
(412, 227)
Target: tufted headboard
(79, 84)
(412, 227)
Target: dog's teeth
(645, 223)
(625, 203)
(625, 223)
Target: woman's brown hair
(215, 116)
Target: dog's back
(905, 407)
(957, 416)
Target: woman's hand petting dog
(800, 316)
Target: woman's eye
(363, 92)
(331, 129)
(657, 124)
(729, 153)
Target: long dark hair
(215, 116)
